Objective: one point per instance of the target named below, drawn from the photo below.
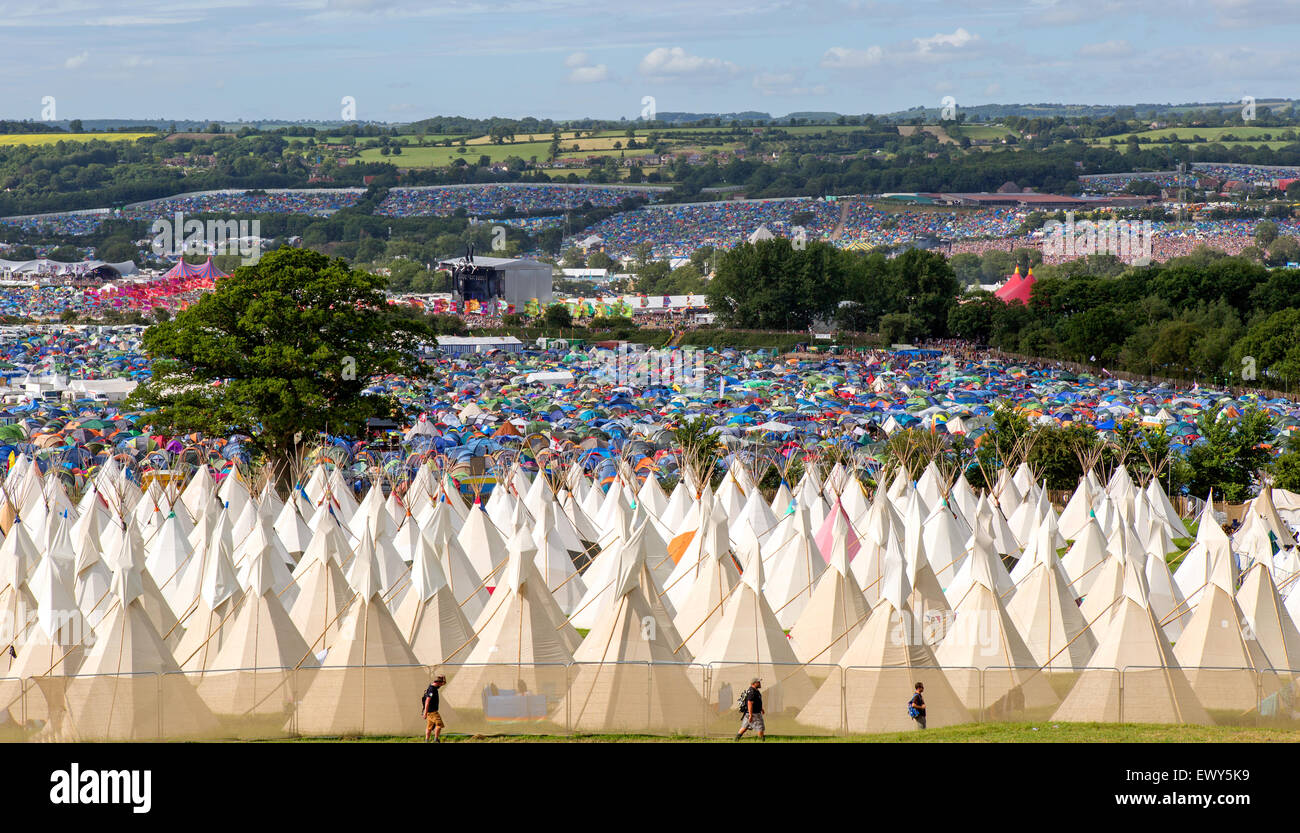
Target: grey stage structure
(513, 280)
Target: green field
(55, 138)
(968, 733)
(529, 145)
(427, 157)
(1245, 136)
(983, 132)
(679, 139)
(440, 157)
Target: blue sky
(403, 60)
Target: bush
(558, 315)
(448, 325)
(611, 322)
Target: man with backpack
(916, 706)
(429, 708)
(751, 707)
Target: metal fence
(637, 698)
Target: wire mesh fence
(637, 698)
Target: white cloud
(577, 59)
(839, 57)
(675, 62)
(76, 61)
(134, 61)
(1106, 49)
(956, 40)
(589, 75)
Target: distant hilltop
(972, 112)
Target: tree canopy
(283, 346)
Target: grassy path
(968, 733)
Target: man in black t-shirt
(916, 706)
(432, 720)
(753, 718)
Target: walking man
(916, 706)
(433, 720)
(753, 714)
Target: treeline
(1203, 316)
(70, 175)
(776, 285)
(1044, 165)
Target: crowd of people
(1168, 240)
(678, 230)
(528, 224)
(867, 225)
(1110, 183)
(1245, 173)
(316, 203)
(69, 224)
(489, 199)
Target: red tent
(1017, 289)
(210, 271)
(184, 270)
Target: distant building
(586, 274)
(453, 345)
(1010, 200)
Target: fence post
(1259, 697)
(1121, 672)
(161, 704)
(707, 672)
(844, 700)
(295, 696)
(568, 701)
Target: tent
(365, 682)
(255, 670)
(879, 669)
(1154, 688)
(627, 677)
(116, 695)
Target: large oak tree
(280, 350)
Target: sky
(401, 60)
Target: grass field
(980, 132)
(529, 145)
(1244, 136)
(968, 733)
(439, 157)
(427, 157)
(55, 138)
(936, 131)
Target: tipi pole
(687, 638)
